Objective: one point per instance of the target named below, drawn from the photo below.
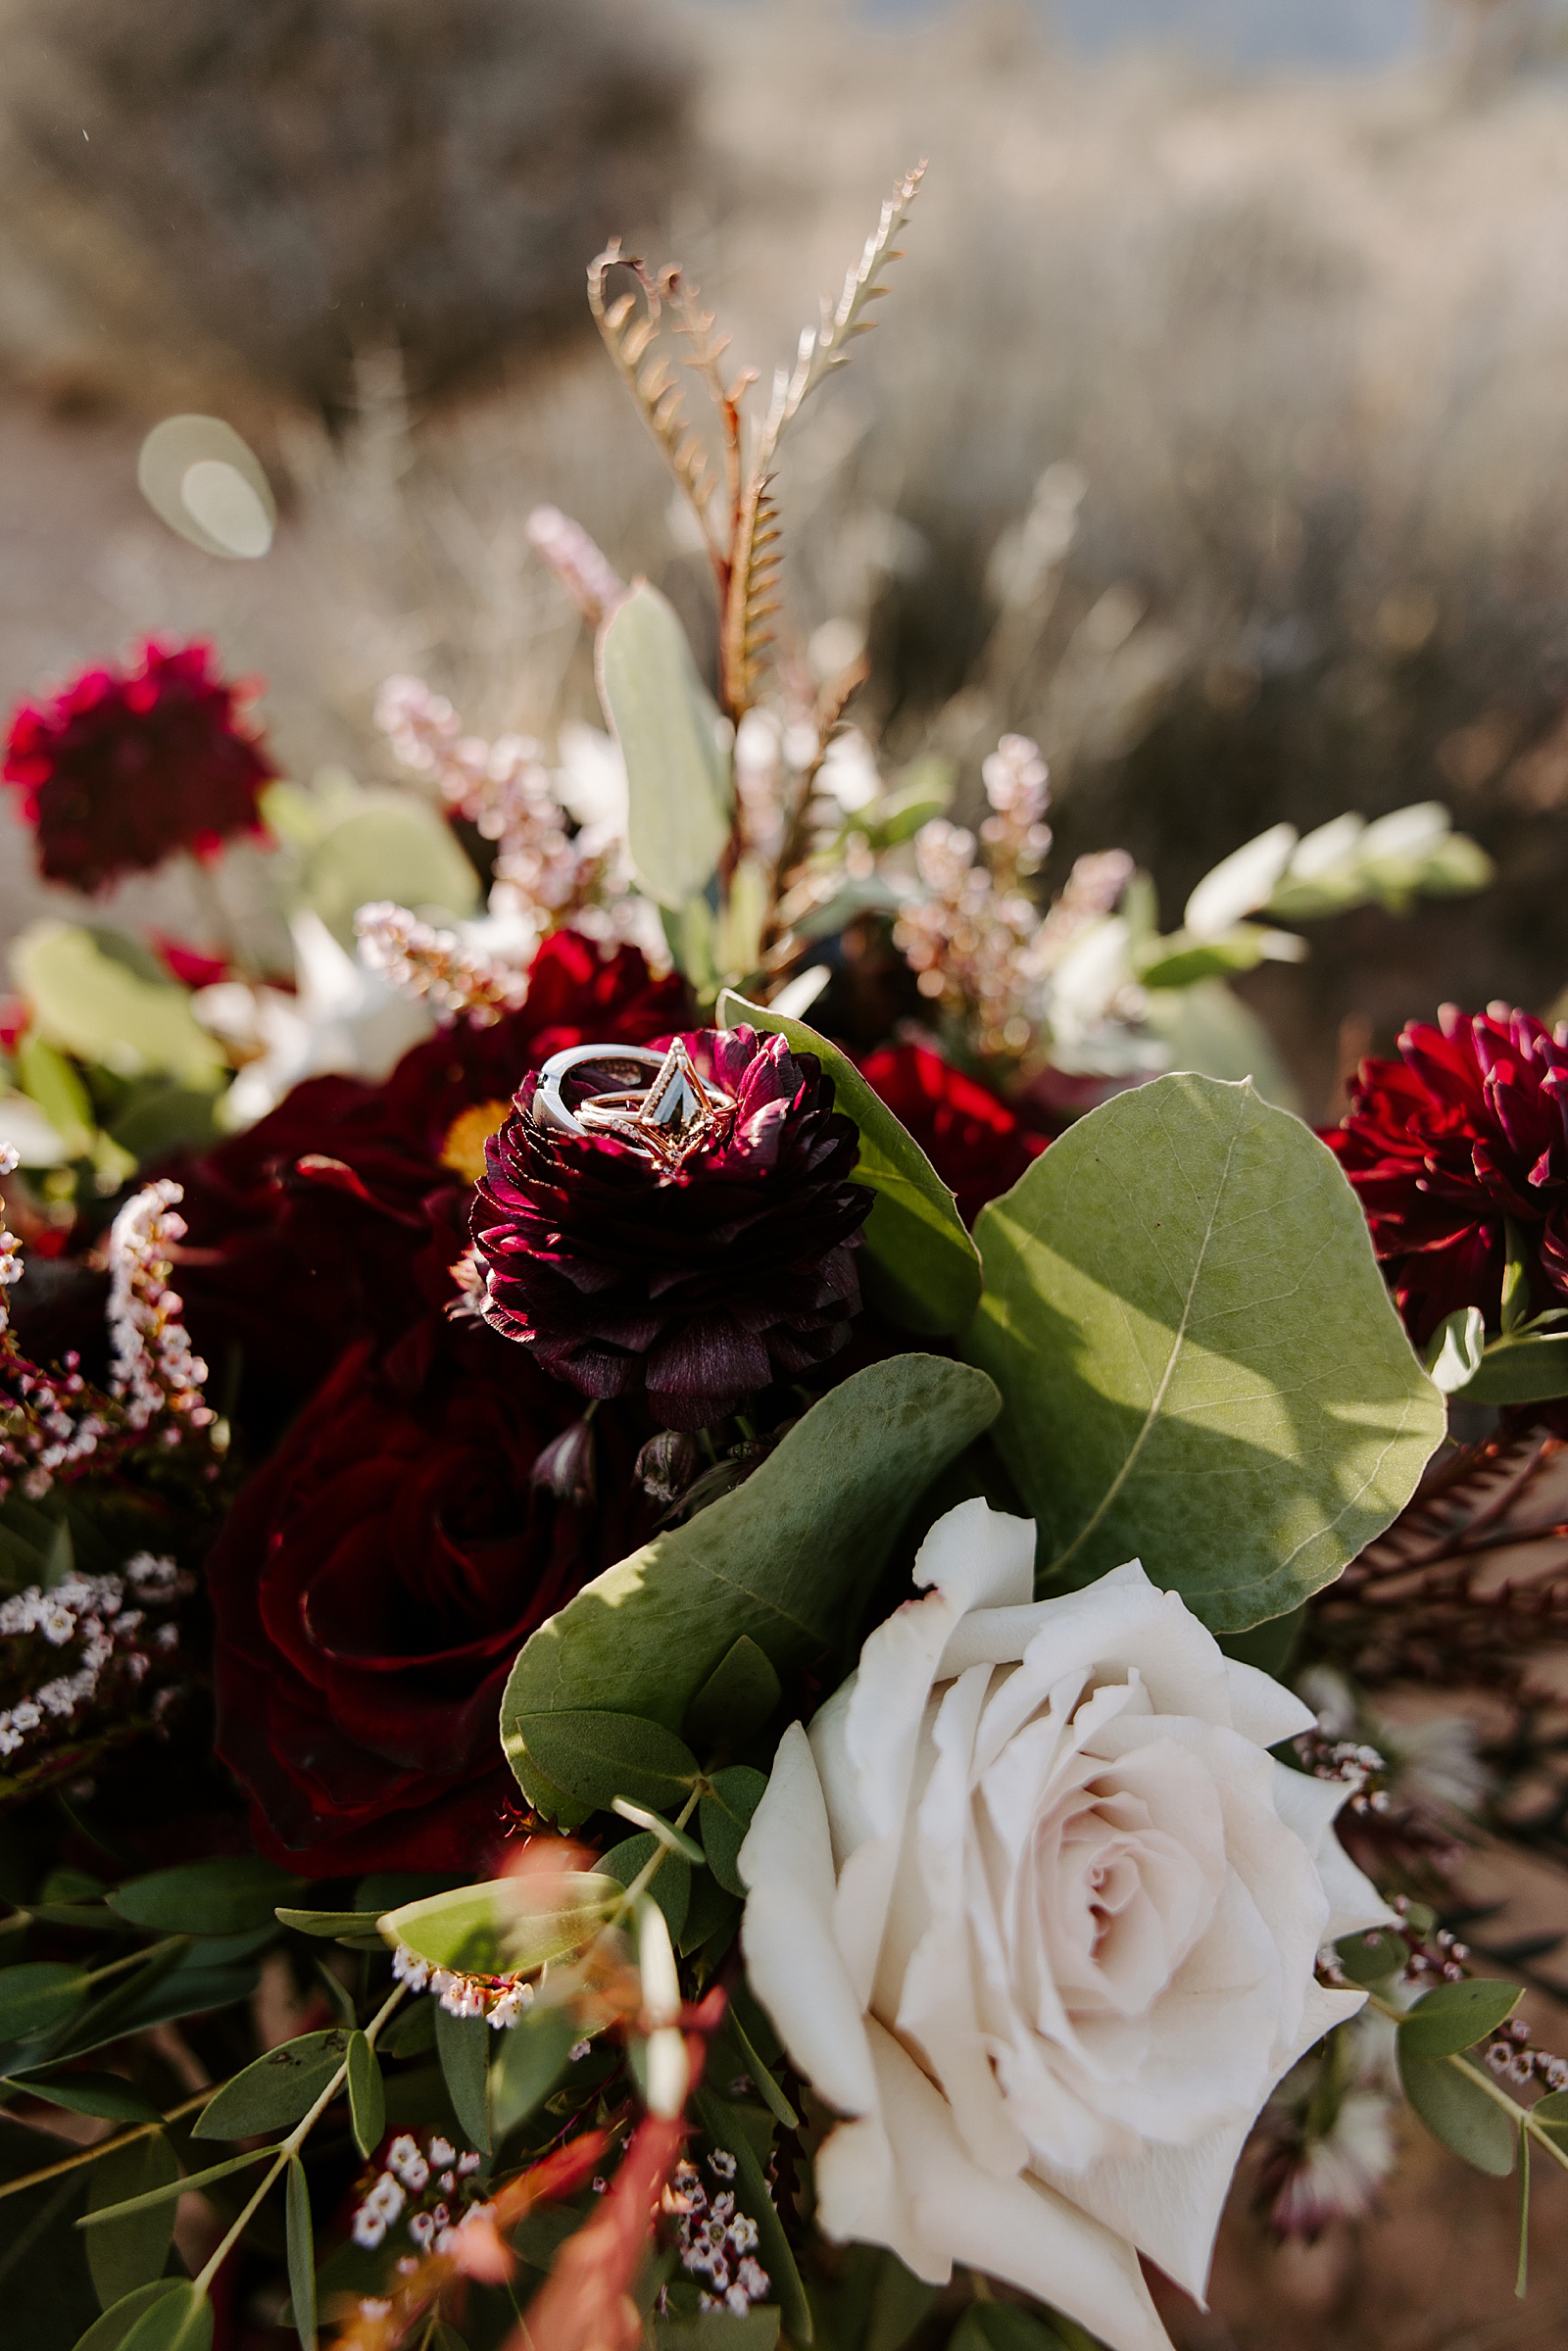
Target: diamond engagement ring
(656, 1103)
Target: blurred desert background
(1228, 365)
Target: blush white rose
(1033, 1908)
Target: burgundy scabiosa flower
(125, 766)
(699, 1271)
(1465, 1132)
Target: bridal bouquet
(614, 1724)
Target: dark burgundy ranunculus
(975, 1143)
(1466, 1131)
(123, 767)
(373, 1583)
(703, 1285)
(308, 1231)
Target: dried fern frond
(826, 347)
(753, 599)
(630, 335)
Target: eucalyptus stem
(1520, 2115)
(105, 2146)
(655, 1862)
(115, 1967)
(287, 2150)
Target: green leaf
(767, 2088)
(109, 2332)
(711, 1912)
(179, 2321)
(664, 1832)
(463, 2045)
(99, 1001)
(921, 1265)
(738, 1697)
(595, 1757)
(1453, 1354)
(671, 1884)
(532, 2061)
(274, 2092)
(393, 845)
(174, 1990)
(329, 1923)
(232, 1895)
(1181, 960)
(753, 2196)
(1455, 2016)
(44, 1073)
(161, 1118)
(366, 2096)
(105, 2095)
(131, 2252)
(725, 1815)
(46, 2293)
(788, 1558)
(506, 1924)
(106, 2018)
(411, 2031)
(179, 2187)
(1551, 2113)
(301, 2253)
(1003, 2327)
(38, 1997)
(1528, 1370)
(678, 787)
(1458, 2111)
(1199, 1362)
(1269, 1646)
(1371, 1958)
(1209, 1029)
(755, 2330)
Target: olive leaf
(506, 1924)
(1199, 1363)
(228, 1896)
(366, 2096)
(463, 2045)
(274, 2092)
(678, 790)
(301, 2253)
(131, 2252)
(531, 2060)
(788, 1558)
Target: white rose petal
(1035, 1910)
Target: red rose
(125, 767)
(373, 1585)
(974, 1142)
(309, 1230)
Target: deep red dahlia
(315, 1226)
(971, 1138)
(125, 767)
(702, 1283)
(373, 1583)
(1467, 1130)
